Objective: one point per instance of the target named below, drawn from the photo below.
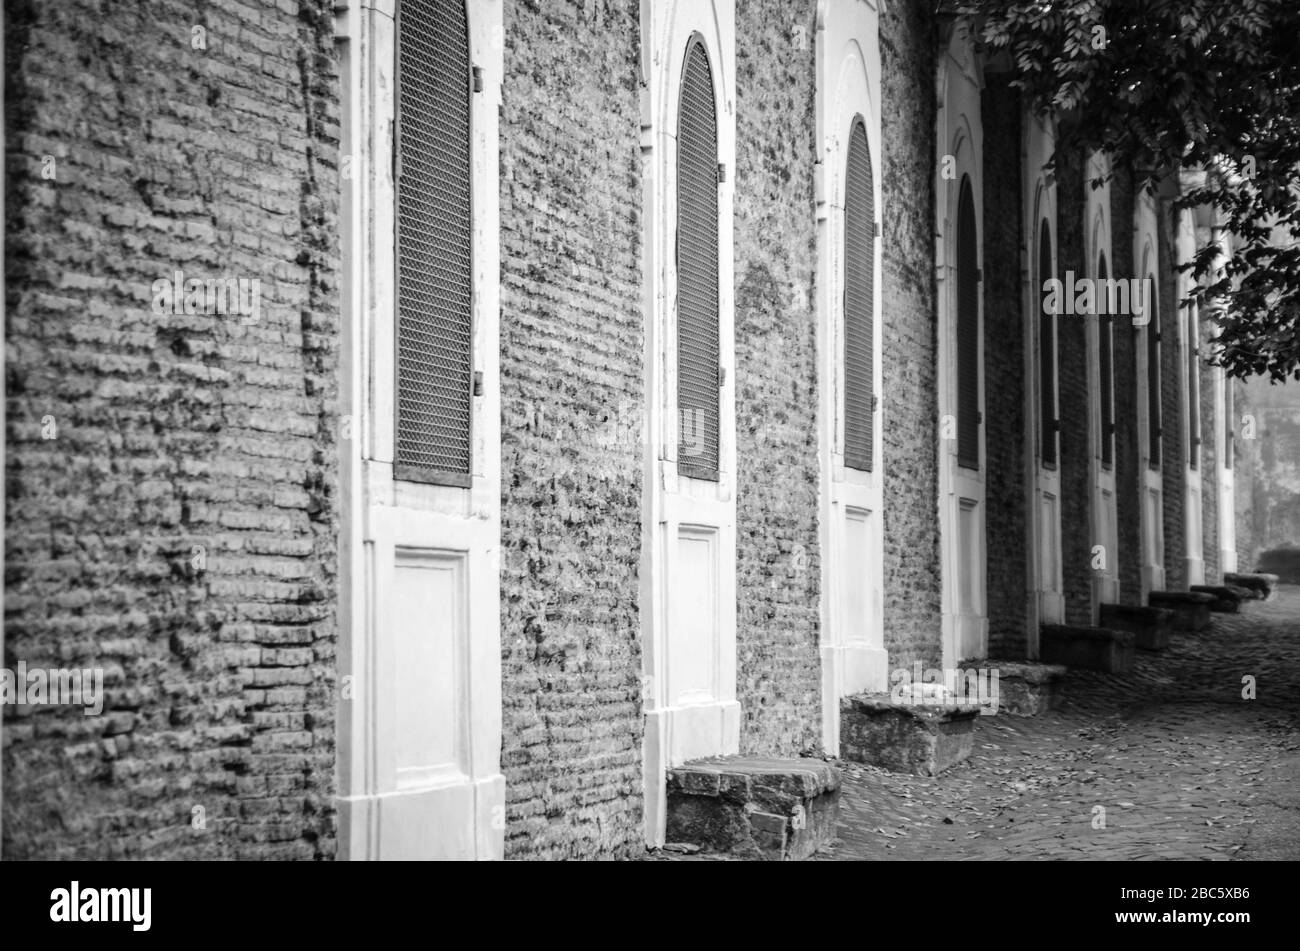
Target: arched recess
(959, 263)
(1100, 335)
(849, 341)
(419, 714)
(1046, 604)
(1149, 403)
(688, 577)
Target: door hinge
(722, 173)
(979, 418)
(979, 275)
(875, 228)
(478, 382)
(875, 402)
(477, 72)
(722, 376)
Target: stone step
(754, 807)
(1226, 601)
(1090, 648)
(1191, 608)
(1021, 688)
(1262, 584)
(1150, 626)
(918, 737)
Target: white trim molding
(850, 500)
(420, 695)
(688, 558)
(1189, 389)
(962, 508)
(1046, 601)
(1146, 262)
(1103, 507)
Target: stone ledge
(1191, 608)
(1150, 626)
(922, 739)
(1025, 688)
(754, 807)
(1261, 583)
(1089, 648)
(1226, 600)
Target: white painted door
(961, 443)
(1150, 399)
(1042, 410)
(420, 698)
(1189, 350)
(1049, 587)
(689, 530)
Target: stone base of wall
(757, 808)
(1151, 627)
(906, 738)
(1191, 608)
(1089, 648)
(1025, 688)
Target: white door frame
(1189, 387)
(1104, 518)
(962, 511)
(1146, 263)
(685, 719)
(852, 611)
(404, 794)
(1046, 603)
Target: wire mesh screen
(698, 351)
(968, 332)
(434, 231)
(859, 316)
(1046, 352)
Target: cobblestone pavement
(1177, 763)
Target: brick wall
(1173, 460)
(1128, 463)
(571, 368)
(178, 530)
(1077, 537)
(1004, 370)
(777, 558)
(909, 401)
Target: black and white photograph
(659, 431)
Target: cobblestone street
(1181, 764)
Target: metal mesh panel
(1106, 364)
(859, 316)
(1153, 373)
(1046, 352)
(697, 271)
(968, 332)
(434, 229)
